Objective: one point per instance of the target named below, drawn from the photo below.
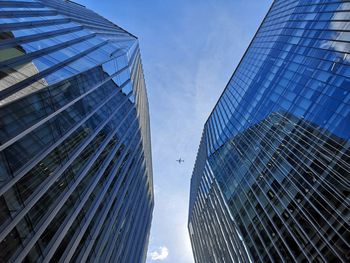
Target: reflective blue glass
(75, 159)
(276, 146)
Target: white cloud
(156, 189)
(159, 254)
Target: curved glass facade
(276, 146)
(75, 156)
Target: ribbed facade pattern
(75, 156)
(271, 181)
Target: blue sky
(189, 50)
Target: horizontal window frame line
(73, 187)
(48, 182)
(28, 13)
(21, 4)
(284, 9)
(66, 106)
(121, 38)
(281, 32)
(27, 168)
(84, 18)
(277, 15)
(90, 24)
(84, 21)
(99, 29)
(262, 44)
(30, 80)
(75, 241)
(31, 24)
(75, 11)
(285, 18)
(45, 51)
(13, 42)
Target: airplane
(180, 161)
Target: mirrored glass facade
(271, 181)
(75, 156)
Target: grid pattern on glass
(277, 143)
(75, 157)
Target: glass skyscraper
(75, 156)
(271, 182)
